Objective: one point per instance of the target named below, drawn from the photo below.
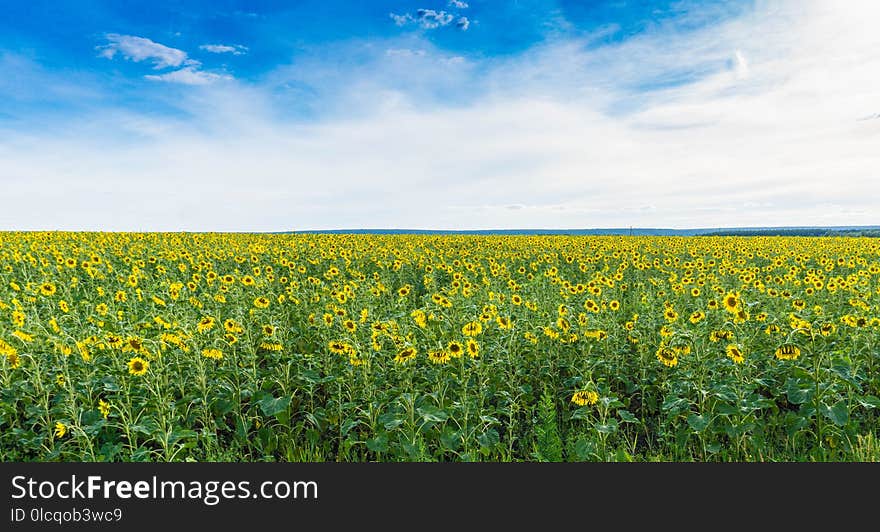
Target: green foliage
(548, 442)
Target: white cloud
(189, 76)
(741, 65)
(235, 49)
(139, 49)
(462, 23)
(401, 20)
(429, 19)
(751, 122)
(458, 4)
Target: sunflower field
(308, 347)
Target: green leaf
(311, 376)
(725, 409)
(583, 412)
(242, 427)
(869, 401)
(391, 420)
(451, 439)
(490, 420)
(838, 414)
(724, 393)
(413, 450)
(611, 402)
(489, 439)
(147, 426)
(222, 406)
(697, 422)
(627, 417)
(348, 425)
(583, 449)
(799, 396)
(675, 405)
(432, 413)
(181, 434)
(379, 444)
(794, 423)
(623, 456)
(608, 427)
(271, 406)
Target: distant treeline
(798, 232)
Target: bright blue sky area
(433, 114)
(51, 50)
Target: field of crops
(241, 347)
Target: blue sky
(436, 114)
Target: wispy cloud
(458, 4)
(139, 49)
(189, 76)
(430, 19)
(235, 49)
(750, 121)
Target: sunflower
(138, 366)
(455, 349)
(60, 429)
(261, 302)
(505, 323)
(585, 397)
(735, 353)
(420, 318)
(104, 408)
(349, 325)
(405, 355)
(48, 289)
(787, 352)
(697, 317)
(614, 305)
(271, 346)
(473, 328)
(205, 324)
(214, 354)
(667, 356)
(439, 356)
(731, 302)
(473, 348)
(337, 348)
(722, 334)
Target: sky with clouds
(435, 114)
